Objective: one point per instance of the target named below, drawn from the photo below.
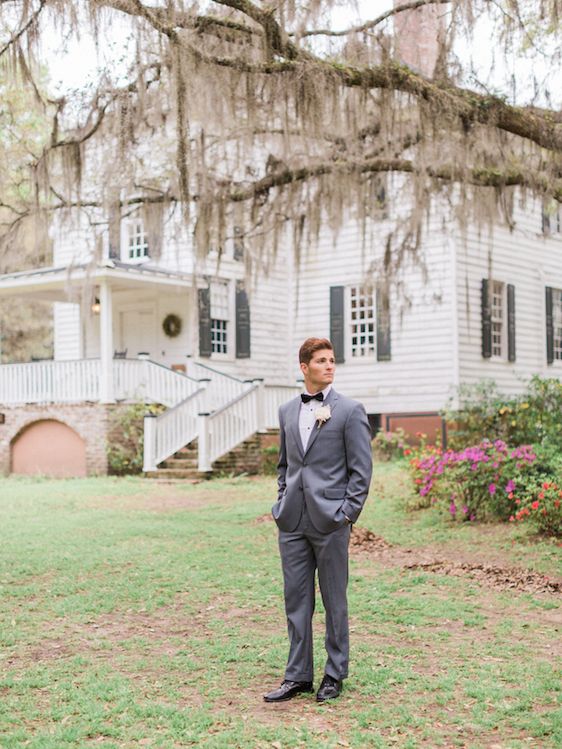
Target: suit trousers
(303, 551)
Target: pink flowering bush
(479, 482)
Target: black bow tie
(307, 398)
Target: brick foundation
(89, 420)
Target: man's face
(320, 370)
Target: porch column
(106, 343)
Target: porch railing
(50, 382)
(79, 380)
(275, 396)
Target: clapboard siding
(67, 338)
(528, 260)
(421, 371)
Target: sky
(79, 63)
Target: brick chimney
(416, 35)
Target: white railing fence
(50, 382)
(145, 380)
(79, 380)
(275, 396)
(170, 431)
(221, 388)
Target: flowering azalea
(492, 488)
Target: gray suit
(318, 488)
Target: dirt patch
(362, 539)
(364, 542)
(502, 578)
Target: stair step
(179, 463)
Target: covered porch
(110, 321)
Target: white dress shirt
(307, 420)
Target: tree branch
(368, 25)
(479, 176)
(32, 19)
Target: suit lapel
(331, 401)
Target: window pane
(138, 241)
(362, 321)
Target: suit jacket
(332, 475)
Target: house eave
(66, 283)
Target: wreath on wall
(172, 325)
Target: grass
(134, 614)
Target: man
(324, 473)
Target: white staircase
(222, 413)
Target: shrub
(475, 483)
(538, 497)
(543, 509)
(531, 418)
(125, 448)
(391, 445)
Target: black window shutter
(383, 325)
(242, 323)
(204, 322)
(545, 221)
(337, 322)
(486, 321)
(510, 322)
(549, 327)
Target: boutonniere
(322, 415)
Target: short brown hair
(311, 346)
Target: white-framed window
(136, 240)
(498, 319)
(362, 312)
(220, 317)
(557, 323)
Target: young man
(324, 473)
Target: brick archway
(50, 448)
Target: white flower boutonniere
(322, 415)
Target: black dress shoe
(287, 690)
(330, 688)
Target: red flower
(546, 485)
(535, 504)
(541, 495)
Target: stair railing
(143, 379)
(222, 430)
(222, 388)
(168, 432)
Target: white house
(220, 352)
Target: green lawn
(134, 614)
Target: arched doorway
(48, 448)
